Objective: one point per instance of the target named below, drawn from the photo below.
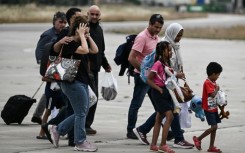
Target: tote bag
(62, 69)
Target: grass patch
(32, 13)
(28, 13)
(142, 13)
(234, 32)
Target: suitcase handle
(37, 90)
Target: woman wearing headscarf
(173, 35)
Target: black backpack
(122, 54)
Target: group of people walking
(168, 56)
(83, 39)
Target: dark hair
(71, 12)
(161, 46)
(77, 21)
(156, 18)
(214, 67)
(59, 15)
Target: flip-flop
(41, 137)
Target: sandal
(197, 143)
(214, 149)
(41, 137)
(165, 149)
(154, 148)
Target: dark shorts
(163, 102)
(212, 118)
(54, 98)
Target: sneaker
(86, 146)
(183, 144)
(142, 137)
(46, 131)
(54, 135)
(214, 149)
(90, 131)
(165, 149)
(197, 143)
(154, 148)
(131, 135)
(36, 120)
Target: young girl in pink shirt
(162, 99)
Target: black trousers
(91, 112)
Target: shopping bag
(221, 98)
(109, 86)
(92, 97)
(62, 69)
(185, 116)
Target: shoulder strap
(163, 66)
(60, 54)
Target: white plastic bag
(54, 112)
(109, 86)
(185, 116)
(92, 97)
(221, 98)
(54, 86)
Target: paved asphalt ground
(19, 74)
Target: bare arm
(180, 75)
(151, 82)
(83, 49)
(181, 69)
(93, 47)
(58, 45)
(133, 59)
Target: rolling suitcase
(17, 107)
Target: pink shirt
(144, 43)
(160, 77)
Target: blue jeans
(140, 90)
(77, 93)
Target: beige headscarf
(170, 34)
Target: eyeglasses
(96, 14)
